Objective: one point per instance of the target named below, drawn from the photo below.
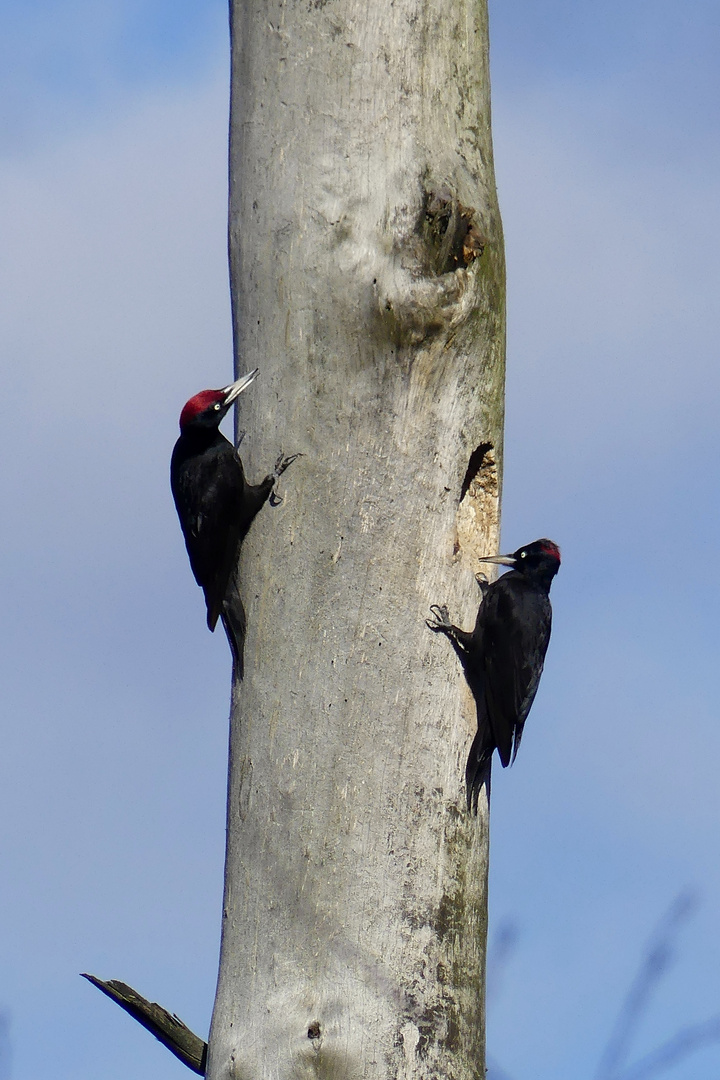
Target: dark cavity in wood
(451, 231)
(476, 464)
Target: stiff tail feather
(477, 770)
(233, 619)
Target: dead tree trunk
(368, 286)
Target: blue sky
(114, 308)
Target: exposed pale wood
(368, 286)
(168, 1028)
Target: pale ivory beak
(234, 390)
(501, 560)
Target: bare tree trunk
(368, 287)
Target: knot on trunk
(428, 284)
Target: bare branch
(674, 1050)
(658, 957)
(500, 952)
(169, 1029)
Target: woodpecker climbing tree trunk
(367, 282)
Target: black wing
(208, 489)
(516, 631)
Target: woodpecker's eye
(216, 406)
(523, 554)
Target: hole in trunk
(477, 459)
(477, 514)
(451, 232)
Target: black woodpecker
(216, 505)
(503, 656)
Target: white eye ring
(523, 554)
(216, 406)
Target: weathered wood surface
(368, 286)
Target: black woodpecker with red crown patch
(503, 656)
(216, 505)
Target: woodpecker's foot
(280, 466)
(440, 618)
(483, 582)
(282, 463)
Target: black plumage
(216, 505)
(503, 655)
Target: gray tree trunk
(368, 286)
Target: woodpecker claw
(282, 463)
(280, 466)
(483, 582)
(441, 615)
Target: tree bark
(367, 280)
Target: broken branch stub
(166, 1027)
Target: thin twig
(680, 1046)
(502, 947)
(658, 957)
